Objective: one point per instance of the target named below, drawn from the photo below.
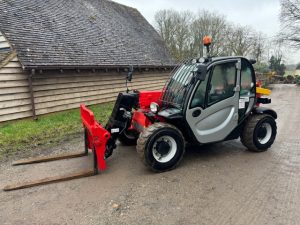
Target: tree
(261, 67)
(174, 28)
(290, 22)
(259, 47)
(241, 41)
(183, 33)
(212, 24)
(277, 65)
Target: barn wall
(14, 91)
(54, 91)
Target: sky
(261, 15)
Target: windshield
(175, 89)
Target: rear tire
(259, 132)
(128, 137)
(161, 147)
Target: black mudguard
(171, 113)
(263, 110)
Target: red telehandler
(206, 100)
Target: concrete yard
(214, 185)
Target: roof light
(207, 40)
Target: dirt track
(218, 184)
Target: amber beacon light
(207, 40)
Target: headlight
(154, 107)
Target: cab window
(247, 80)
(222, 82)
(198, 99)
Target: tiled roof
(80, 33)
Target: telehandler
(206, 100)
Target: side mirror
(129, 75)
(201, 72)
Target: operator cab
(212, 95)
(219, 103)
(206, 100)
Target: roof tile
(79, 33)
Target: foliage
(277, 65)
(290, 22)
(183, 33)
(28, 134)
(298, 80)
(261, 67)
(207, 23)
(173, 27)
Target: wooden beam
(13, 116)
(24, 108)
(31, 93)
(9, 57)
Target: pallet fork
(95, 139)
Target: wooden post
(30, 75)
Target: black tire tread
(144, 137)
(247, 134)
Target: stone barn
(57, 54)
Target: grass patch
(20, 135)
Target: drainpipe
(30, 75)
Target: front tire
(259, 133)
(161, 147)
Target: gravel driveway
(216, 184)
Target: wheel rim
(264, 133)
(164, 149)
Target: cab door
(248, 90)
(213, 110)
